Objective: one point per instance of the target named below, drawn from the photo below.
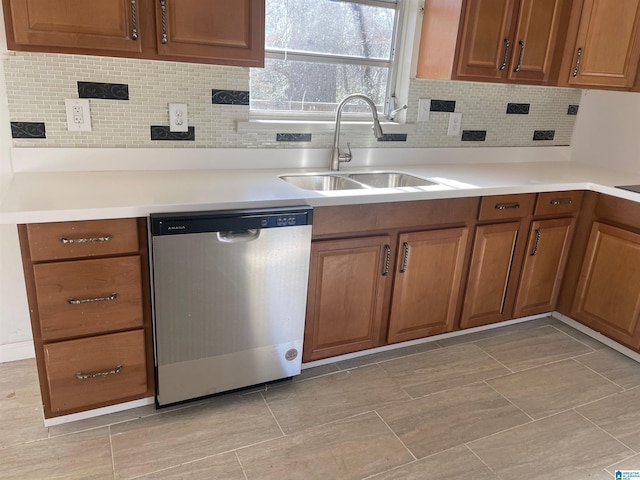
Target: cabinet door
(608, 294)
(486, 298)
(542, 272)
(427, 283)
(347, 279)
(96, 24)
(534, 43)
(221, 31)
(607, 47)
(486, 40)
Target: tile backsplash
(129, 97)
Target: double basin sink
(354, 181)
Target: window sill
(319, 127)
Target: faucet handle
(345, 157)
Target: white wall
(607, 130)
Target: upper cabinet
(229, 32)
(495, 40)
(605, 46)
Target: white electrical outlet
(78, 114)
(178, 117)
(455, 119)
(424, 107)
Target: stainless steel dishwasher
(229, 295)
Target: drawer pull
(106, 238)
(561, 201)
(405, 257)
(73, 301)
(387, 260)
(505, 206)
(163, 9)
(87, 376)
(536, 245)
(506, 55)
(577, 67)
(134, 21)
(517, 69)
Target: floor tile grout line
(496, 360)
(468, 447)
(604, 431)
(113, 459)
(395, 435)
(574, 338)
(272, 414)
(241, 465)
(508, 400)
(599, 374)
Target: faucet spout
(336, 156)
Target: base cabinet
(608, 294)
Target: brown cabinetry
(88, 292)
(603, 44)
(203, 31)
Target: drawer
(56, 241)
(96, 370)
(558, 203)
(85, 297)
(502, 207)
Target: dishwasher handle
(239, 236)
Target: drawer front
(503, 207)
(97, 370)
(56, 241)
(558, 203)
(85, 297)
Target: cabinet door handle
(134, 21)
(87, 376)
(405, 257)
(506, 206)
(108, 298)
(387, 260)
(105, 238)
(561, 201)
(163, 10)
(506, 55)
(536, 245)
(520, 53)
(577, 67)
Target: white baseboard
(16, 351)
(49, 422)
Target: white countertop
(31, 197)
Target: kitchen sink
(323, 182)
(390, 180)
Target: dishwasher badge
(291, 354)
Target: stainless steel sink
(390, 180)
(323, 182)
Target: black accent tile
(443, 106)
(518, 108)
(393, 137)
(572, 110)
(229, 97)
(293, 137)
(544, 134)
(107, 91)
(474, 135)
(163, 133)
(28, 130)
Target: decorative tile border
(106, 91)
(162, 132)
(443, 106)
(544, 134)
(474, 135)
(229, 97)
(573, 109)
(28, 130)
(393, 137)
(518, 108)
(293, 137)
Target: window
(319, 51)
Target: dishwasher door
(230, 292)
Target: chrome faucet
(336, 156)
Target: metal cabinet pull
(520, 53)
(106, 238)
(387, 260)
(536, 245)
(163, 9)
(561, 201)
(577, 67)
(87, 376)
(505, 206)
(506, 54)
(405, 257)
(110, 298)
(134, 21)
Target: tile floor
(536, 400)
